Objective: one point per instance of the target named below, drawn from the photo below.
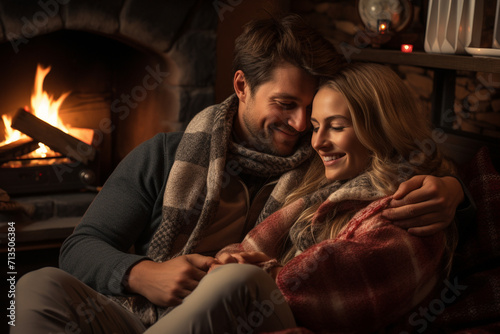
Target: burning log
(16, 149)
(51, 136)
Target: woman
(340, 266)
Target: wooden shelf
(422, 59)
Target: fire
(11, 135)
(43, 106)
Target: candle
(406, 48)
(383, 26)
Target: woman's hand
(251, 257)
(241, 257)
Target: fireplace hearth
(133, 69)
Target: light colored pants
(234, 298)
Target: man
(148, 238)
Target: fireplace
(131, 68)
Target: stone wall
(183, 32)
(477, 103)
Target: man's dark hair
(267, 43)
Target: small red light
(406, 48)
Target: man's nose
(298, 120)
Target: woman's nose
(318, 140)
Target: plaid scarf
(336, 197)
(195, 182)
(332, 197)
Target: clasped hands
(168, 283)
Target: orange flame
(10, 134)
(43, 107)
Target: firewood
(51, 136)
(17, 148)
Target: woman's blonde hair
(388, 123)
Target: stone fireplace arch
(152, 62)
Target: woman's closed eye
(334, 128)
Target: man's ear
(240, 85)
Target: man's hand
(425, 204)
(169, 282)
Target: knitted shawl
(195, 182)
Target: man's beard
(262, 140)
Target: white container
(456, 26)
(496, 29)
(443, 18)
(474, 24)
(446, 28)
(431, 44)
(473, 36)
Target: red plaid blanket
(368, 277)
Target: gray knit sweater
(125, 213)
